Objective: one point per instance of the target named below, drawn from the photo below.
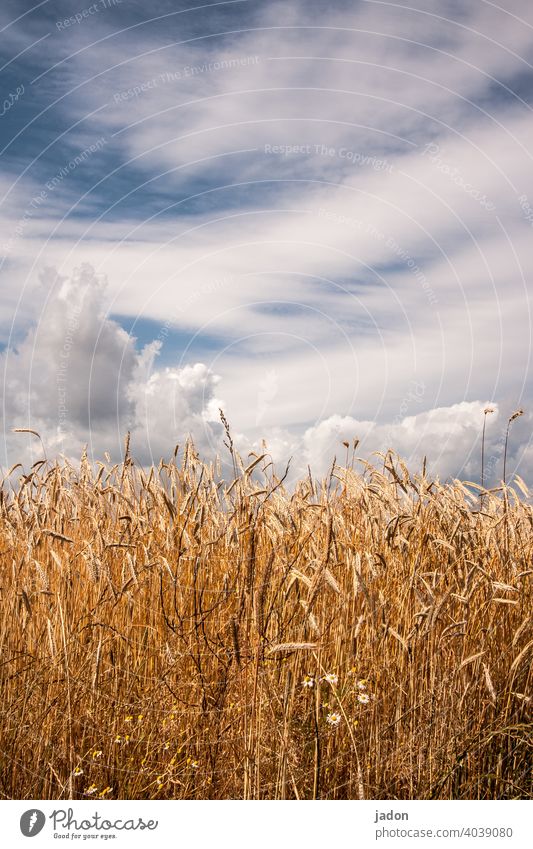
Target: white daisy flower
(331, 678)
(333, 719)
(308, 681)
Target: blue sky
(316, 215)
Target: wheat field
(170, 634)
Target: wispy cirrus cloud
(329, 193)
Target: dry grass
(157, 629)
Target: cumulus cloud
(171, 404)
(335, 210)
(448, 438)
(78, 378)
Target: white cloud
(171, 404)
(344, 281)
(77, 377)
(447, 436)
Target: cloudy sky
(317, 215)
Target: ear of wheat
(169, 634)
